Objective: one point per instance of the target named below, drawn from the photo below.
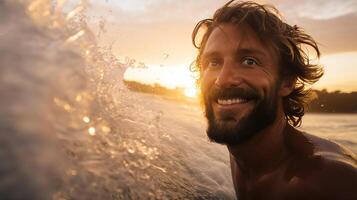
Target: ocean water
(341, 128)
(71, 130)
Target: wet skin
(314, 168)
(279, 162)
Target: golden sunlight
(191, 92)
(173, 77)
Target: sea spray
(71, 130)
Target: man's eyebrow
(250, 51)
(210, 54)
(240, 51)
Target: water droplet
(75, 36)
(67, 107)
(131, 150)
(106, 129)
(91, 131)
(78, 98)
(72, 172)
(86, 119)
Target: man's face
(240, 84)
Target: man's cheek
(205, 94)
(208, 79)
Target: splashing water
(71, 130)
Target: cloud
(149, 11)
(331, 22)
(140, 23)
(334, 35)
(323, 10)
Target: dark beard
(262, 115)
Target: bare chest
(273, 185)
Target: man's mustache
(216, 93)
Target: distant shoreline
(323, 102)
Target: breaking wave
(71, 130)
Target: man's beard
(262, 115)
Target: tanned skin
(279, 162)
(307, 168)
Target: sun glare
(169, 77)
(191, 92)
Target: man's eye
(213, 63)
(249, 61)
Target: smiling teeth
(230, 101)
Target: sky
(158, 33)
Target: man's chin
(226, 132)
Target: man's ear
(287, 86)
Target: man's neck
(263, 152)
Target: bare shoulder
(332, 153)
(324, 168)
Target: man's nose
(228, 76)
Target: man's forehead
(236, 37)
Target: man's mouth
(227, 108)
(231, 101)
(231, 96)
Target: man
(253, 76)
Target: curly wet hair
(290, 42)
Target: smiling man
(254, 70)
